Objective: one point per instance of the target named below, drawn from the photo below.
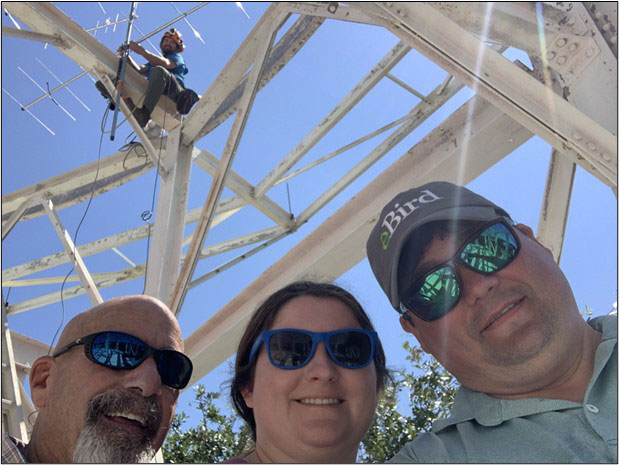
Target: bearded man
(108, 393)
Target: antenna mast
(122, 66)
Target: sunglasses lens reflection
(491, 250)
(122, 351)
(293, 349)
(118, 350)
(437, 293)
(351, 349)
(290, 348)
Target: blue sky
(315, 80)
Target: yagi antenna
(11, 18)
(29, 112)
(43, 90)
(240, 5)
(106, 25)
(55, 89)
(57, 79)
(195, 33)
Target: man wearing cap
(108, 393)
(483, 296)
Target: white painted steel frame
(265, 38)
(498, 80)
(12, 404)
(556, 203)
(55, 40)
(338, 244)
(339, 111)
(227, 79)
(112, 278)
(64, 236)
(164, 257)
(76, 185)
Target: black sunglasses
(490, 249)
(290, 349)
(121, 351)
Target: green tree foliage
(216, 438)
(429, 388)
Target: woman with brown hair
(308, 372)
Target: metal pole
(122, 66)
(178, 18)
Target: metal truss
(512, 103)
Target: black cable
(92, 194)
(6, 300)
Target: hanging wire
(92, 194)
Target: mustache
(126, 402)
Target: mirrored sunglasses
(121, 351)
(290, 349)
(488, 250)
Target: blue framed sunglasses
(490, 249)
(122, 351)
(290, 348)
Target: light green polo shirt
(485, 429)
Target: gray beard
(94, 447)
(100, 443)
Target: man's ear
(409, 327)
(248, 396)
(39, 380)
(527, 231)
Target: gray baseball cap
(411, 209)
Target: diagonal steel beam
(87, 282)
(420, 113)
(265, 39)
(339, 111)
(109, 279)
(15, 217)
(225, 209)
(209, 163)
(502, 83)
(76, 185)
(55, 40)
(282, 52)
(227, 79)
(338, 244)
